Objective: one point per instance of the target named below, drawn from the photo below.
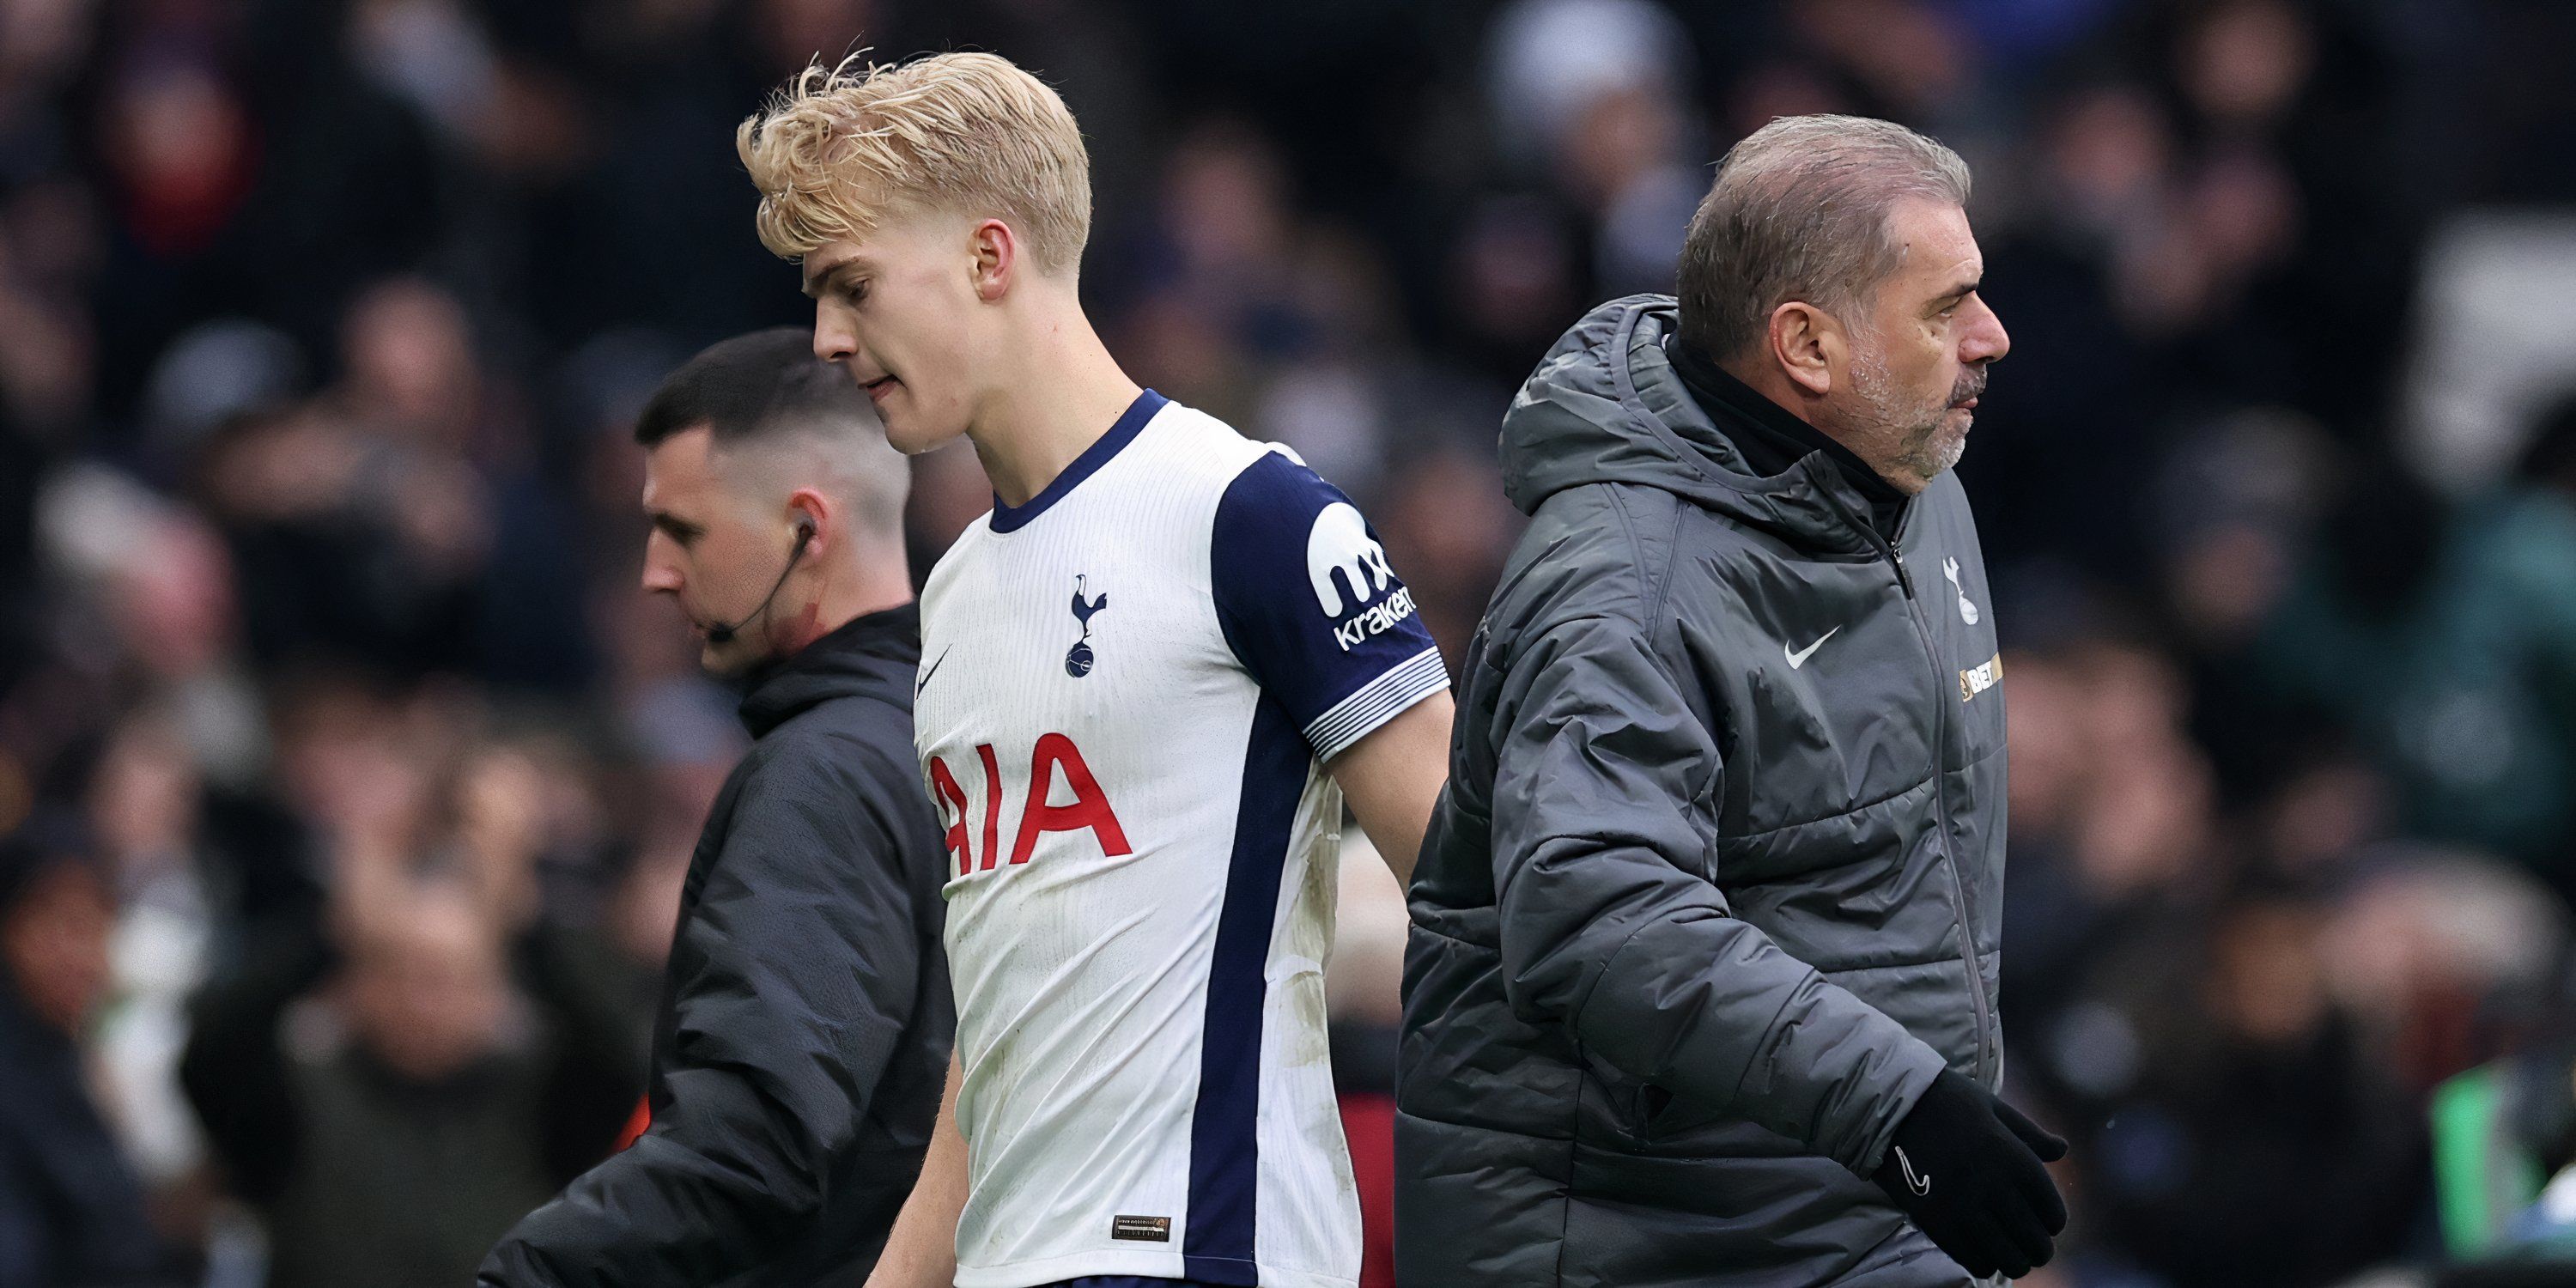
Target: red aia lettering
(944, 784)
(1090, 808)
(1054, 754)
(992, 803)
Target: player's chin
(913, 432)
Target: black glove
(1967, 1167)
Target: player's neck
(1065, 392)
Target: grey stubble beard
(1923, 442)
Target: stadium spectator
(71, 1207)
(386, 1094)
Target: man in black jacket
(805, 1024)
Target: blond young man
(1151, 679)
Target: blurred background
(347, 780)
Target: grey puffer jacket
(1713, 891)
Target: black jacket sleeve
(792, 981)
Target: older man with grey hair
(1701, 987)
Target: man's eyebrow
(1961, 291)
(673, 524)
(815, 282)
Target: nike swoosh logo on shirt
(924, 682)
(1798, 656)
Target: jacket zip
(1940, 797)
(1941, 811)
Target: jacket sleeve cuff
(1914, 1064)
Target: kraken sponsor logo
(1376, 619)
(1340, 542)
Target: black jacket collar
(1772, 439)
(876, 654)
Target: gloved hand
(1967, 1167)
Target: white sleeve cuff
(1377, 702)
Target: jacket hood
(1606, 406)
(869, 656)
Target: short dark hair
(749, 386)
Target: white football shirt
(1127, 689)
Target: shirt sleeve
(1313, 609)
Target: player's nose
(834, 339)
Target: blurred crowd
(347, 782)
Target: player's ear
(994, 259)
(1805, 342)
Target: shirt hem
(1145, 1264)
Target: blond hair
(837, 146)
